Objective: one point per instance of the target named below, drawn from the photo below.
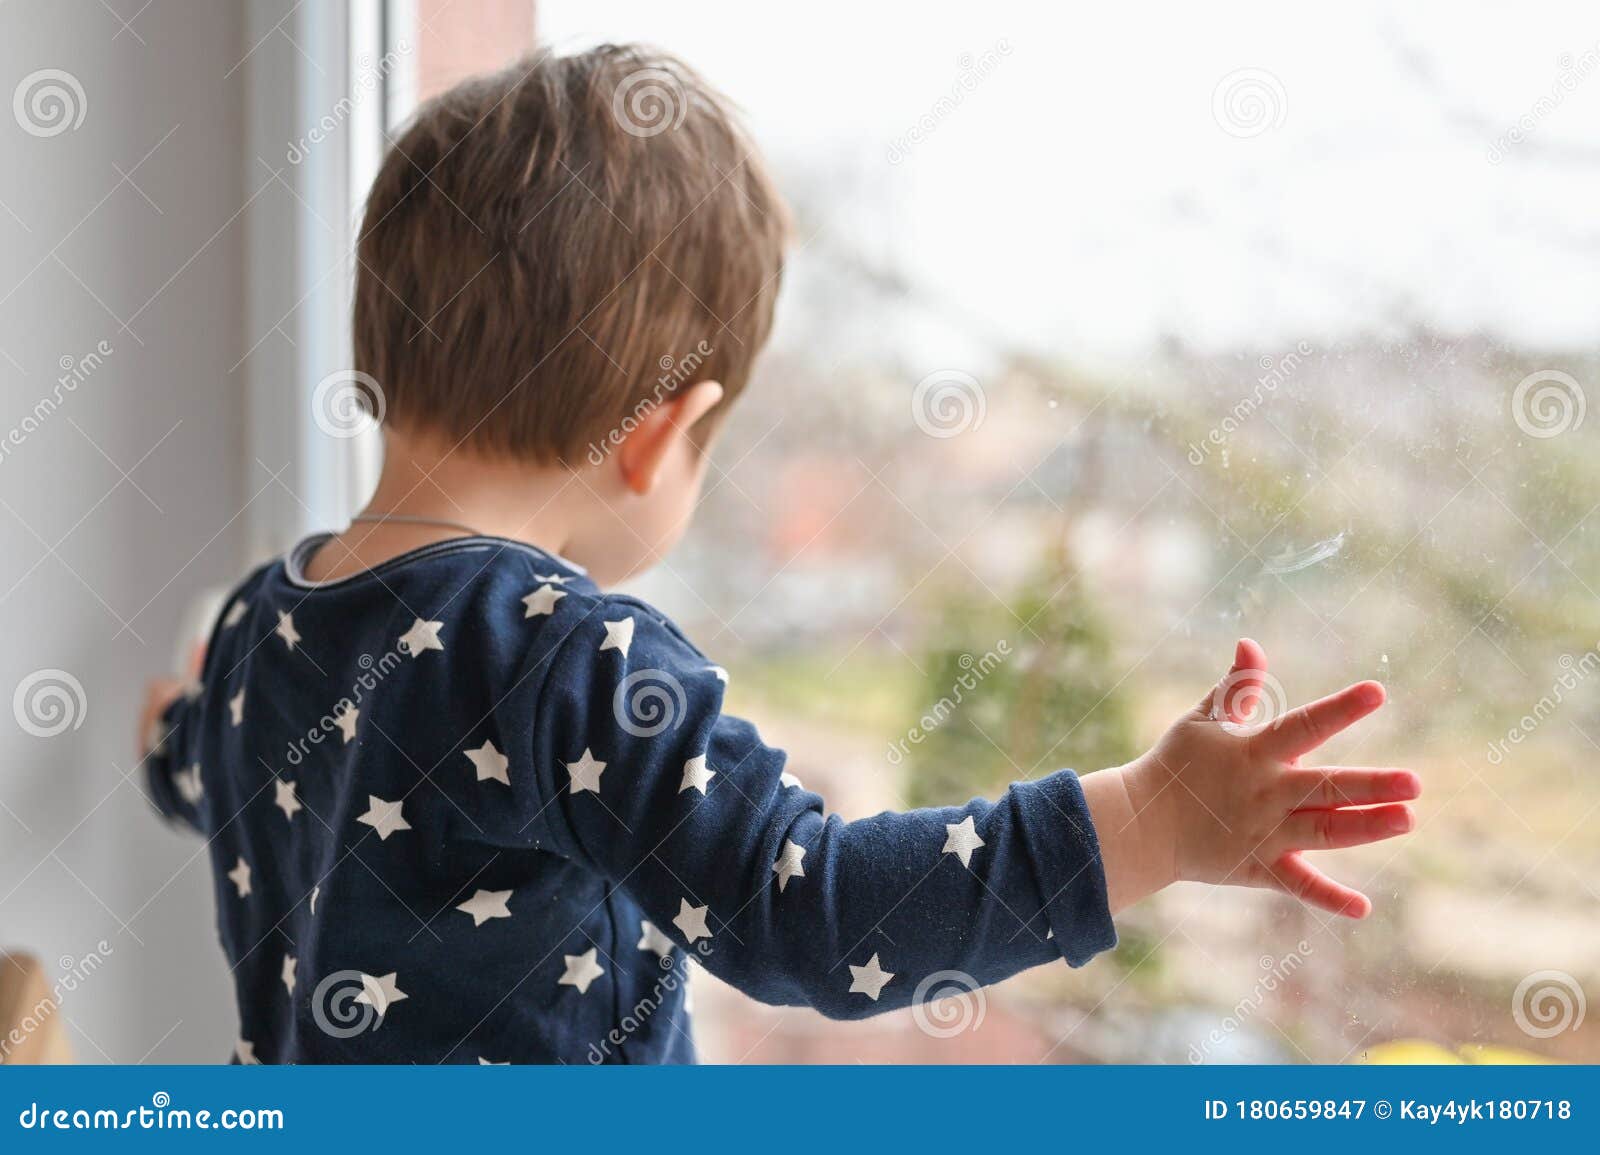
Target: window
(1104, 345)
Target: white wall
(96, 568)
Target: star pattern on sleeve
(870, 979)
(586, 773)
(384, 817)
(286, 799)
(554, 579)
(287, 974)
(235, 614)
(346, 721)
(961, 839)
(582, 969)
(652, 939)
(316, 892)
(490, 764)
(285, 629)
(542, 600)
(240, 877)
(696, 774)
(421, 636)
(236, 707)
(190, 788)
(486, 904)
(787, 780)
(619, 636)
(788, 864)
(381, 992)
(691, 920)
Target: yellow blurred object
(31, 1031)
(1410, 1052)
(1419, 1052)
(1503, 1056)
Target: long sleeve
(645, 779)
(173, 783)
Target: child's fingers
(1337, 829)
(1306, 727)
(1301, 880)
(1334, 787)
(1234, 698)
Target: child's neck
(433, 491)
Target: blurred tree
(1018, 691)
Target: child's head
(572, 263)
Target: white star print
(696, 774)
(245, 1051)
(490, 763)
(286, 630)
(381, 993)
(788, 864)
(652, 939)
(315, 892)
(722, 675)
(691, 920)
(619, 636)
(586, 773)
(870, 979)
(961, 839)
(486, 904)
(542, 600)
(190, 788)
(582, 969)
(240, 875)
(288, 972)
(346, 721)
(552, 578)
(235, 614)
(286, 800)
(421, 636)
(787, 779)
(482, 1062)
(384, 817)
(236, 707)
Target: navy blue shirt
(465, 807)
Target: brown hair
(544, 248)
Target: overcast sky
(1094, 190)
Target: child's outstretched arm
(693, 816)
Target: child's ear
(657, 433)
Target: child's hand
(1215, 801)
